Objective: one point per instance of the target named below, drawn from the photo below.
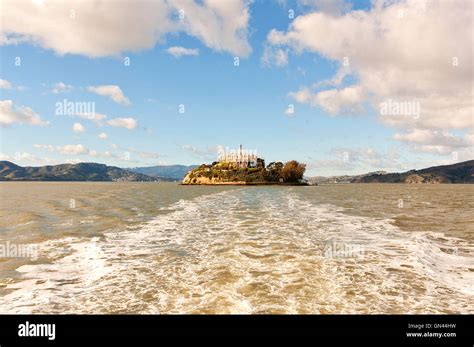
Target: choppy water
(165, 248)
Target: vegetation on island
(230, 173)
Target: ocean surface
(166, 248)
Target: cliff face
(215, 174)
(201, 180)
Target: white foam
(249, 250)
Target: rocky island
(242, 168)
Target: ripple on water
(207, 256)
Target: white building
(241, 158)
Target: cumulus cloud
(73, 149)
(4, 84)
(78, 128)
(178, 51)
(61, 87)
(4, 156)
(99, 28)
(435, 141)
(274, 56)
(358, 159)
(220, 25)
(95, 117)
(103, 136)
(26, 158)
(416, 51)
(112, 91)
(50, 148)
(334, 101)
(128, 123)
(208, 153)
(20, 115)
(66, 149)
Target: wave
(249, 250)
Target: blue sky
(224, 105)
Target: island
(244, 168)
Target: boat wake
(249, 250)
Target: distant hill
(69, 172)
(454, 173)
(170, 172)
(343, 178)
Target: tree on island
(292, 171)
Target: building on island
(242, 158)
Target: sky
(346, 87)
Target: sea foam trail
(250, 250)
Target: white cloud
(72, 161)
(25, 158)
(177, 51)
(274, 56)
(128, 155)
(61, 87)
(4, 84)
(103, 136)
(409, 50)
(128, 123)
(302, 96)
(95, 117)
(435, 141)
(209, 153)
(96, 29)
(112, 91)
(290, 111)
(73, 149)
(109, 28)
(148, 155)
(358, 160)
(46, 147)
(4, 156)
(78, 128)
(399, 66)
(66, 149)
(21, 115)
(334, 101)
(220, 25)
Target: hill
(169, 172)
(69, 172)
(455, 173)
(343, 178)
